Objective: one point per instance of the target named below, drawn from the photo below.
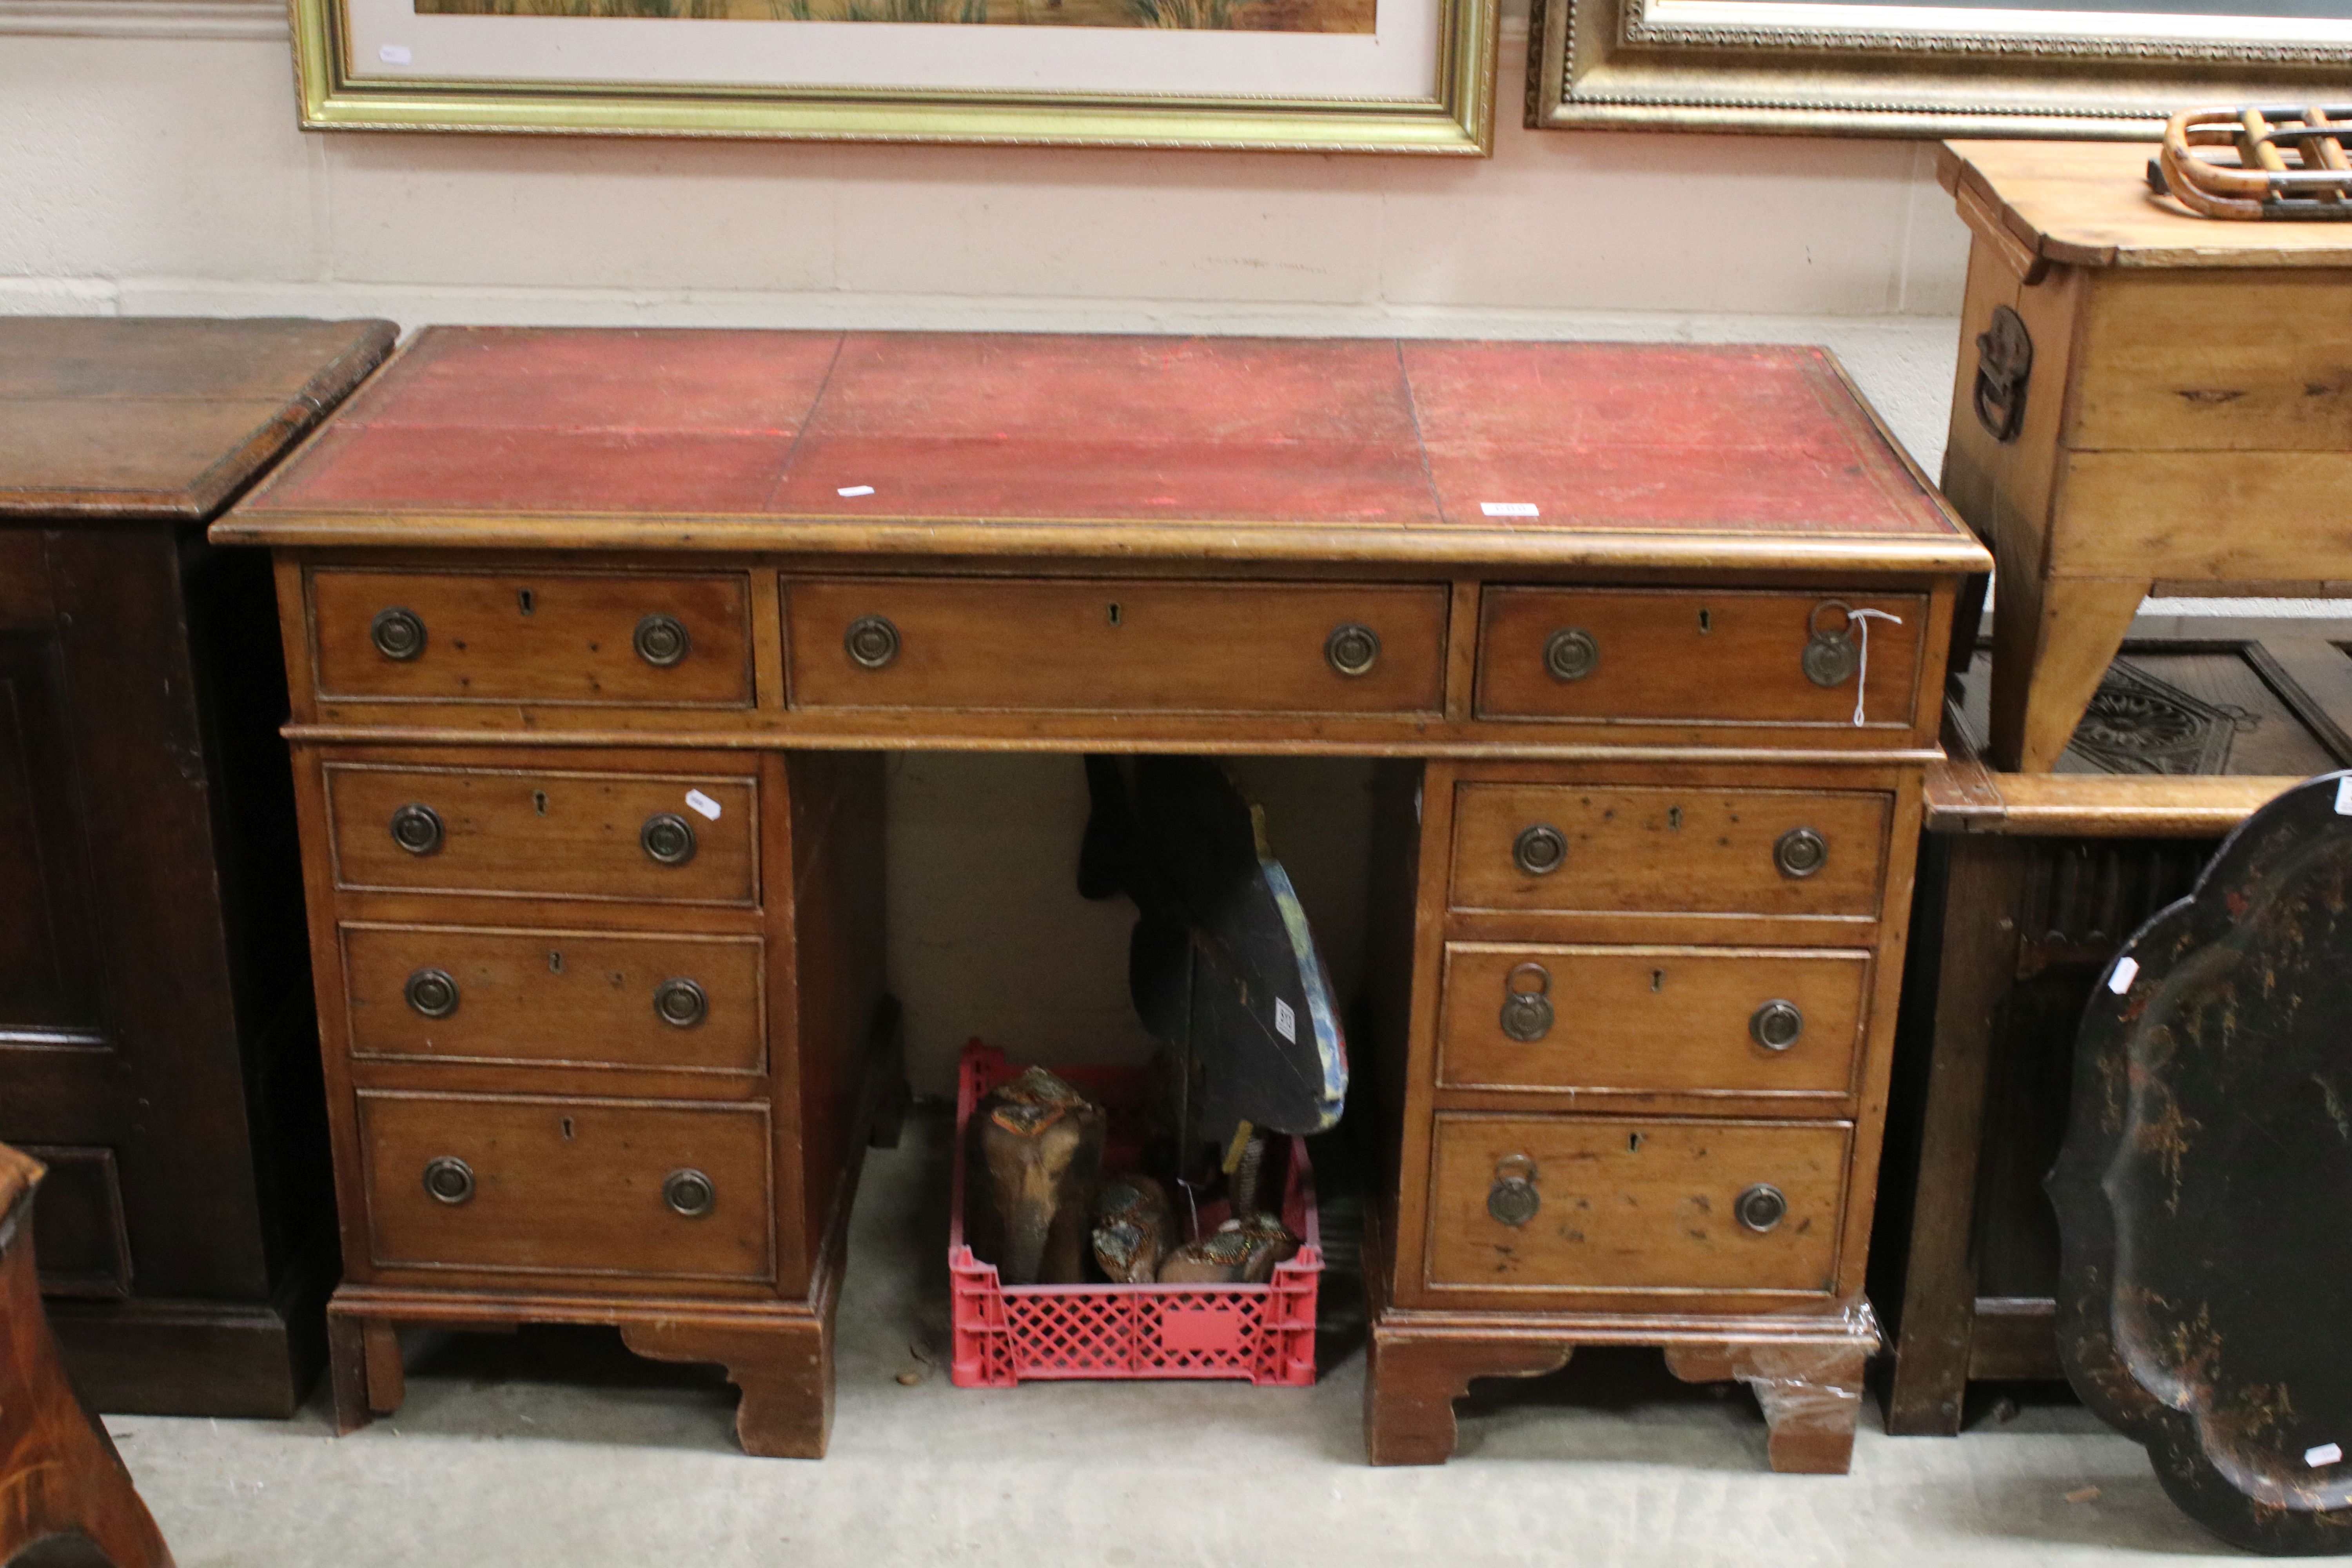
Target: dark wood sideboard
(2029, 886)
(155, 1020)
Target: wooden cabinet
(156, 1027)
(1682, 839)
(2144, 401)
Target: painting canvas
(1250, 15)
(1372, 76)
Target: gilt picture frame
(2084, 68)
(1371, 76)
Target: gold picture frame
(1455, 116)
(1812, 66)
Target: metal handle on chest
(1776, 1025)
(661, 640)
(1571, 654)
(1512, 1199)
(1527, 1015)
(449, 1180)
(872, 642)
(668, 838)
(2004, 361)
(1539, 851)
(416, 828)
(432, 991)
(1761, 1208)
(680, 1002)
(397, 633)
(1801, 852)
(1352, 649)
(689, 1193)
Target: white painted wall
(164, 174)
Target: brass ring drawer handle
(680, 1002)
(1512, 1199)
(1832, 654)
(1801, 852)
(398, 634)
(449, 1180)
(1352, 649)
(1527, 1014)
(661, 640)
(1761, 1208)
(1776, 1025)
(689, 1193)
(668, 838)
(872, 642)
(432, 991)
(416, 828)
(1571, 654)
(1540, 850)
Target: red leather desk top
(978, 443)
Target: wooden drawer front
(533, 636)
(1244, 647)
(431, 993)
(1634, 1204)
(544, 834)
(1708, 656)
(1644, 850)
(565, 1186)
(1668, 1019)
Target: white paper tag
(2126, 970)
(2326, 1453)
(855, 491)
(702, 803)
(2343, 796)
(1509, 509)
(1286, 1022)
(395, 55)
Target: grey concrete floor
(556, 1448)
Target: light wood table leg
(2052, 642)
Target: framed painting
(2112, 69)
(1375, 76)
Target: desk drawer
(1703, 656)
(1238, 648)
(681, 640)
(1651, 1019)
(551, 997)
(533, 833)
(566, 1186)
(1635, 1203)
(1647, 849)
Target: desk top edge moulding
(599, 636)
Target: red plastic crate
(1005, 1333)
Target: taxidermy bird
(1035, 1166)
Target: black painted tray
(2204, 1192)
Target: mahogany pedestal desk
(597, 639)
(2146, 401)
(2029, 885)
(155, 1045)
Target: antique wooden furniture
(2028, 885)
(2257, 162)
(2145, 400)
(2207, 1273)
(59, 1475)
(595, 638)
(156, 1046)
